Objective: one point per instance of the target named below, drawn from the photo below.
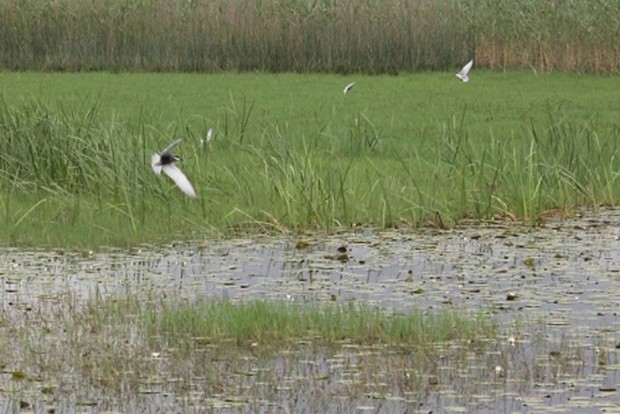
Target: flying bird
(164, 161)
(348, 88)
(462, 75)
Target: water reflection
(568, 270)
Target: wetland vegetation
(328, 264)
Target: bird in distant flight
(348, 88)
(462, 75)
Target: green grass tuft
(277, 325)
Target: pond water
(566, 274)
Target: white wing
(155, 159)
(348, 88)
(209, 134)
(172, 145)
(179, 179)
(462, 75)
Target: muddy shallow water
(566, 273)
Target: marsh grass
(265, 326)
(308, 36)
(76, 172)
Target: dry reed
(369, 36)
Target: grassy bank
(292, 153)
(309, 36)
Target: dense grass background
(371, 36)
(291, 152)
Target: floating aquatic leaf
(301, 244)
(19, 375)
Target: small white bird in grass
(348, 88)
(462, 75)
(165, 162)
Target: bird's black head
(168, 159)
